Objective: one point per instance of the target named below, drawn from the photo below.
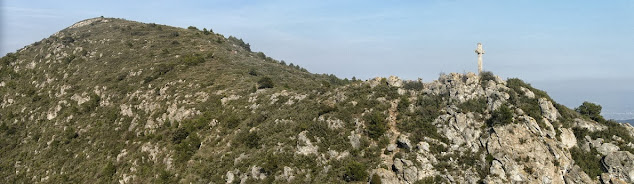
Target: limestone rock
(304, 145)
(496, 169)
(423, 146)
(403, 142)
(576, 175)
(607, 148)
(528, 93)
(548, 110)
(355, 139)
(590, 125)
(620, 164)
(394, 81)
(391, 147)
(230, 177)
(405, 170)
(387, 177)
(568, 138)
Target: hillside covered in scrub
(115, 101)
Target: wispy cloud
(31, 12)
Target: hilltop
(110, 100)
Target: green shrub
(591, 110)
(261, 55)
(232, 121)
(430, 180)
(486, 76)
(242, 44)
(376, 124)
(69, 135)
(476, 105)
(192, 28)
(271, 163)
(419, 124)
(67, 39)
(588, 161)
(109, 170)
(91, 104)
(265, 82)
(186, 148)
(501, 116)
(355, 171)
(252, 140)
(376, 179)
(68, 59)
(207, 32)
(179, 135)
(194, 59)
(413, 85)
(252, 72)
(325, 109)
(515, 84)
(174, 34)
(159, 70)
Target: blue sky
(575, 50)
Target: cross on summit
(479, 51)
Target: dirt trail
(393, 132)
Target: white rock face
(304, 145)
(230, 177)
(403, 142)
(528, 93)
(394, 81)
(355, 139)
(590, 125)
(568, 138)
(548, 110)
(607, 148)
(620, 165)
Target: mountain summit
(115, 101)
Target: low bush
(376, 124)
(501, 116)
(588, 161)
(413, 85)
(376, 179)
(252, 72)
(265, 82)
(194, 59)
(355, 171)
(486, 76)
(476, 105)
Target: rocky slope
(117, 101)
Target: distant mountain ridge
(630, 121)
(110, 100)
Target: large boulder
(607, 148)
(394, 81)
(403, 142)
(548, 110)
(568, 138)
(576, 175)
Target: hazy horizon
(575, 51)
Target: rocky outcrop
(522, 154)
(568, 138)
(576, 175)
(404, 143)
(548, 110)
(589, 125)
(394, 81)
(620, 165)
(304, 145)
